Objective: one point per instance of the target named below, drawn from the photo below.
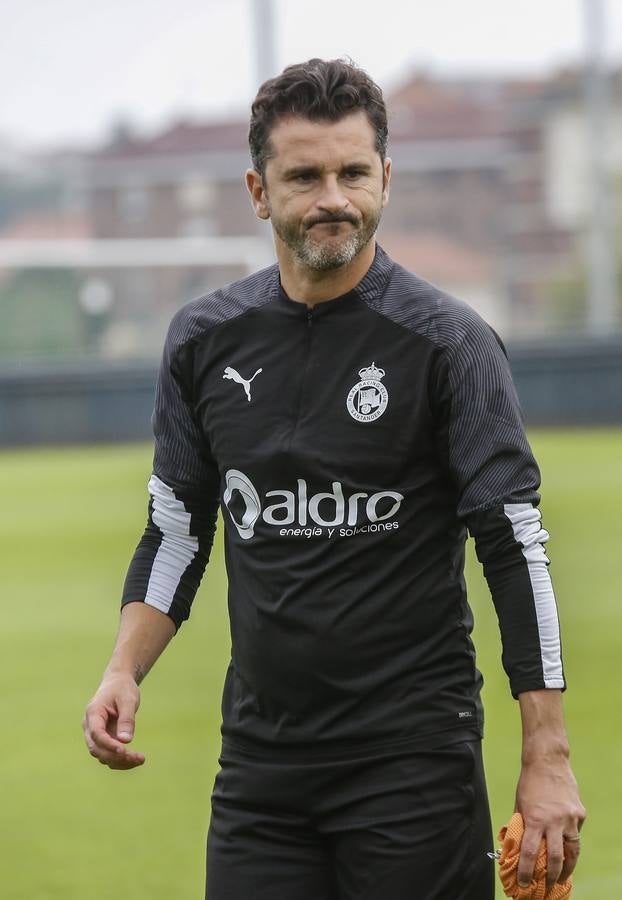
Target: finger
(554, 857)
(572, 846)
(528, 855)
(125, 754)
(126, 761)
(572, 849)
(97, 729)
(92, 747)
(116, 760)
(95, 735)
(125, 720)
(105, 741)
(120, 758)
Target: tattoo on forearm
(139, 673)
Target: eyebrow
(311, 169)
(301, 170)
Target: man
(353, 421)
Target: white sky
(70, 67)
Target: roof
(47, 224)
(425, 109)
(183, 137)
(438, 258)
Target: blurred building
(182, 188)
(490, 200)
(42, 204)
(501, 166)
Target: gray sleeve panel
(489, 456)
(181, 455)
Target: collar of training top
(372, 283)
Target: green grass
(582, 498)
(70, 828)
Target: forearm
(144, 632)
(547, 795)
(544, 732)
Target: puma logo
(235, 376)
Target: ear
(259, 199)
(386, 178)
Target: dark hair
(319, 90)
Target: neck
(308, 286)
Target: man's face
(324, 188)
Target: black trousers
(412, 825)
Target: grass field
(72, 829)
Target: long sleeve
(170, 559)
(497, 481)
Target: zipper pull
(309, 317)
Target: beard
(332, 250)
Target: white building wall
(567, 164)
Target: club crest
(369, 398)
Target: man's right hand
(109, 722)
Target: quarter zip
(303, 377)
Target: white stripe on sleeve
(528, 531)
(178, 547)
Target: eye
(353, 174)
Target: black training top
(350, 447)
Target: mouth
(330, 223)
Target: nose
(331, 198)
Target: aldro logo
(369, 398)
(296, 514)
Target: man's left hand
(548, 799)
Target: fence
(578, 383)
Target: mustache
(329, 220)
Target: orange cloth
(512, 835)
